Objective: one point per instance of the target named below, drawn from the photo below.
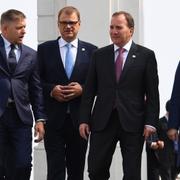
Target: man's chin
(69, 38)
(20, 41)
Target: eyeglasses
(71, 23)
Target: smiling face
(69, 25)
(14, 31)
(120, 32)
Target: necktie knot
(12, 46)
(121, 50)
(68, 45)
(11, 52)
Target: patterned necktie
(12, 62)
(69, 63)
(119, 63)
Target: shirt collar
(126, 47)
(63, 43)
(7, 43)
(166, 116)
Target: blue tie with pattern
(69, 63)
(12, 62)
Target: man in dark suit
(161, 161)
(174, 114)
(65, 149)
(19, 88)
(126, 107)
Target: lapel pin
(83, 49)
(133, 56)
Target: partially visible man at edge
(19, 89)
(127, 106)
(174, 114)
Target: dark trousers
(175, 168)
(155, 169)
(65, 151)
(102, 148)
(15, 147)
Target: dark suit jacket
(166, 155)
(138, 79)
(52, 73)
(25, 84)
(174, 112)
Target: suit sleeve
(91, 50)
(152, 92)
(47, 87)
(174, 116)
(35, 92)
(89, 93)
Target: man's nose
(68, 25)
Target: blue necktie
(69, 63)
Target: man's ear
(132, 30)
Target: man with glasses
(63, 67)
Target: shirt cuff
(41, 120)
(149, 126)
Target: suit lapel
(131, 58)
(24, 61)
(56, 57)
(81, 51)
(3, 58)
(81, 57)
(107, 63)
(58, 60)
(110, 61)
(22, 56)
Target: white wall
(96, 16)
(161, 27)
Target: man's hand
(157, 145)
(148, 131)
(39, 131)
(160, 144)
(84, 130)
(72, 91)
(57, 93)
(173, 134)
(66, 93)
